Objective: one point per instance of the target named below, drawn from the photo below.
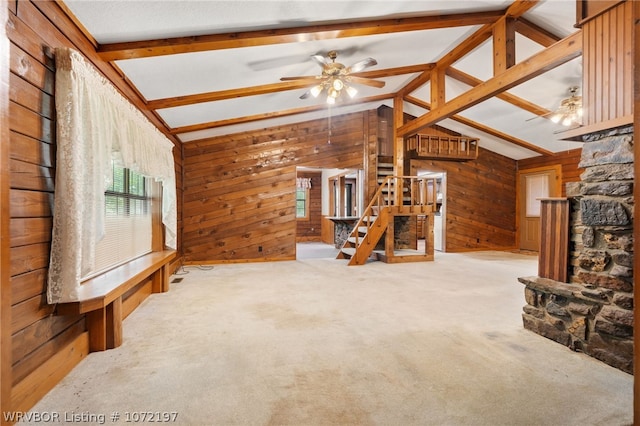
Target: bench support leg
(114, 323)
(160, 280)
(96, 325)
(105, 327)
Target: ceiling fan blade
(309, 78)
(306, 94)
(321, 60)
(359, 66)
(541, 116)
(366, 81)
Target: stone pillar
(594, 311)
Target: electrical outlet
(260, 249)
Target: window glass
(128, 227)
(302, 196)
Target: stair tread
(349, 250)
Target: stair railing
(422, 191)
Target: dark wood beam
(504, 45)
(486, 129)
(461, 50)
(505, 96)
(271, 88)
(520, 7)
(398, 141)
(416, 83)
(515, 10)
(268, 115)
(438, 96)
(548, 59)
(535, 33)
(172, 46)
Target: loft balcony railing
(459, 148)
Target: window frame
(306, 203)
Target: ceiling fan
(569, 112)
(336, 78)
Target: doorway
(439, 217)
(533, 185)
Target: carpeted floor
(314, 342)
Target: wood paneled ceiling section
(422, 85)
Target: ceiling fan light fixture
(570, 110)
(335, 78)
(315, 90)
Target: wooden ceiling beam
(515, 10)
(555, 55)
(391, 72)
(504, 45)
(535, 33)
(520, 7)
(226, 94)
(505, 96)
(271, 88)
(172, 46)
(486, 129)
(461, 50)
(438, 87)
(268, 115)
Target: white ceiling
(112, 21)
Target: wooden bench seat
(100, 298)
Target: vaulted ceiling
(209, 68)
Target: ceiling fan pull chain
(329, 138)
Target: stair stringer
(368, 241)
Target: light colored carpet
(314, 342)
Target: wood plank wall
(608, 65)
(239, 190)
(5, 216)
(480, 205)
(38, 337)
(309, 228)
(568, 160)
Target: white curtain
(96, 124)
(303, 183)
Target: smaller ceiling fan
(336, 77)
(569, 112)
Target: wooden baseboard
(228, 261)
(26, 393)
(314, 239)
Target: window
(537, 187)
(128, 220)
(302, 202)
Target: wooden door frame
(636, 217)
(5, 265)
(557, 168)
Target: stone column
(594, 311)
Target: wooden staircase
(396, 196)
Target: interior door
(534, 185)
